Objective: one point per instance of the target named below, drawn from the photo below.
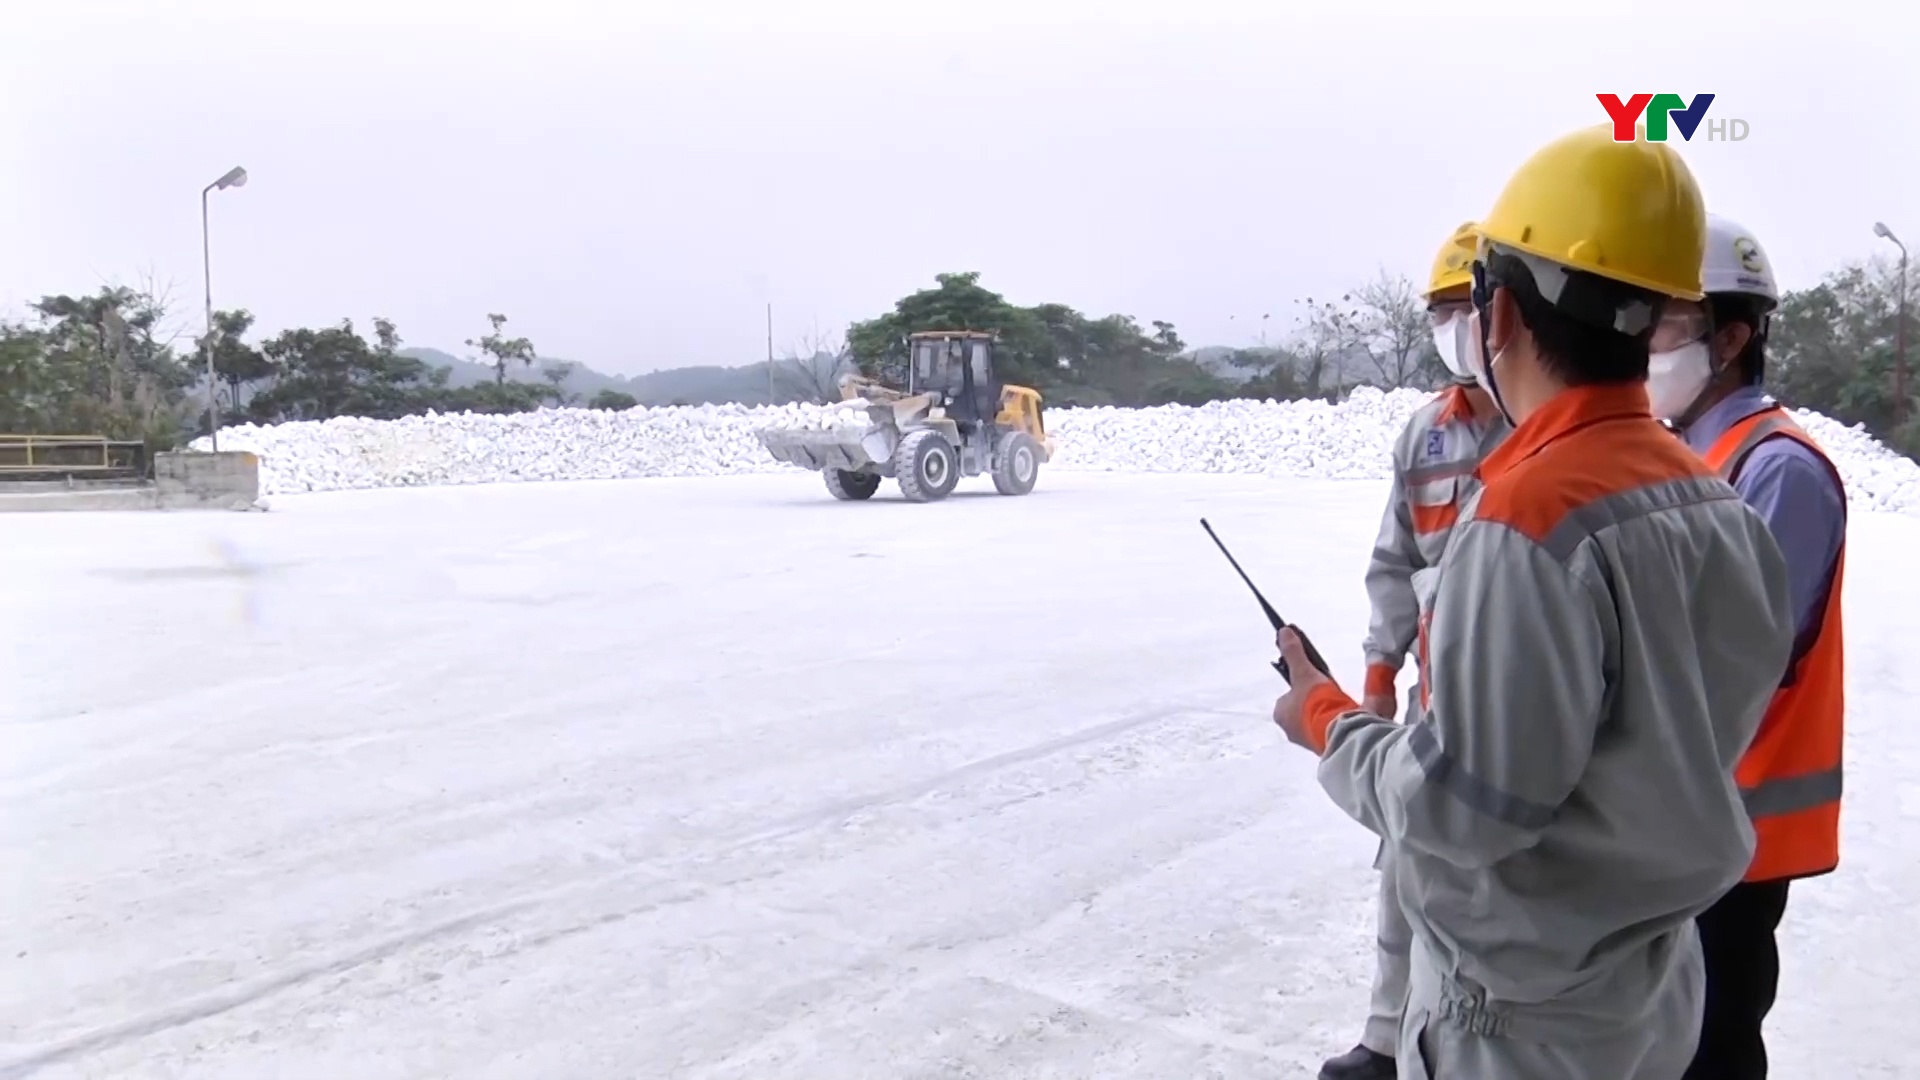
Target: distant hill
(1346, 369)
(747, 384)
(582, 380)
(792, 379)
(1213, 358)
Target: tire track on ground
(207, 1006)
(845, 808)
(936, 962)
(214, 1004)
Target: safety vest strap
(1743, 437)
(1792, 794)
(1762, 427)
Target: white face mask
(1675, 379)
(1451, 340)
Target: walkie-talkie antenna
(1279, 624)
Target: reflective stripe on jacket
(1608, 626)
(1791, 776)
(1433, 477)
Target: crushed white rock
(838, 416)
(1347, 440)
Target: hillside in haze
(1343, 369)
(747, 384)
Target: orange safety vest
(1790, 776)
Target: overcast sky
(632, 183)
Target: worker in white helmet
(1607, 628)
(1433, 478)
(1704, 377)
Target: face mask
(1451, 339)
(1473, 359)
(1675, 379)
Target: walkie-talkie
(1279, 624)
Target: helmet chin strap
(1482, 300)
(1702, 401)
(1492, 384)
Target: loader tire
(852, 486)
(1016, 464)
(926, 466)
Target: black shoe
(1359, 1063)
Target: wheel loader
(954, 419)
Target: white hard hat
(1736, 263)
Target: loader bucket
(850, 449)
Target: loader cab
(958, 365)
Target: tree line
(1374, 335)
(112, 364)
(1833, 347)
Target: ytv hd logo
(1659, 109)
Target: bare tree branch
(1319, 349)
(171, 324)
(811, 368)
(1380, 328)
(1391, 326)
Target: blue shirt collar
(1728, 411)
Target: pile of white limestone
(834, 417)
(1346, 440)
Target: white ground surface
(719, 778)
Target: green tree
(958, 302)
(509, 397)
(30, 392)
(1831, 348)
(1183, 382)
(316, 374)
(1052, 347)
(501, 351)
(613, 401)
(332, 372)
(237, 364)
(557, 374)
(100, 365)
(1120, 359)
(1271, 373)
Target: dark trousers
(1743, 973)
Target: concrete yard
(719, 778)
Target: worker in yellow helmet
(1433, 478)
(1606, 630)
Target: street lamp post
(235, 177)
(1900, 328)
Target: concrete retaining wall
(17, 498)
(182, 480)
(191, 480)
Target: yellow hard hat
(1631, 212)
(1453, 267)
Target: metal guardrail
(28, 457)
